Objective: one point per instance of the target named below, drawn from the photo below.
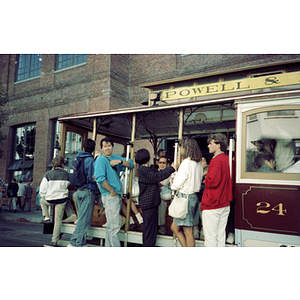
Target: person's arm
(122, 161)
(181, 176)
(109, 188)
(213, 176)
(100, 170)
(43, 187)
(155, 176)
(90, 167)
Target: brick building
(41, 88)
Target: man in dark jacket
(85, 196)
(12, 192)
(149, 197)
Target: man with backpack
(82, 177)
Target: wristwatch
(121, 161)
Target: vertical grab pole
(230, 155)
(180, 132)
(177, 154)
(128, 195)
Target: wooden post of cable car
(130, 180)
(95, 129)
(62, 139)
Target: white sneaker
(70, 245)
(230, 239)
(104, 225)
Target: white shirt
(295, 168)
(188, 178)
(21, 190)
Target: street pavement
(34, 215)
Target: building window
(69, 60)
(24, 142)
(28, 66)
(23, 155)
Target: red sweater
(218, 184)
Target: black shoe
(133, 227)
(140, 227)
(15, 211)
(162, 230)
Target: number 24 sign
(265, 208)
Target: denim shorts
(192, 203)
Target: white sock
(139, 218)
(131, 221)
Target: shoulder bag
(179, 206)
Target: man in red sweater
(217, 194)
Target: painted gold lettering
(198, 90)
(172, 94)
(239, 87)
(182, 93)
(271, 80)
(211, 89)
(224, 88)
(262, 210)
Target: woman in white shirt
(187, 182)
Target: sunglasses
(162, 162)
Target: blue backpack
(76, 173)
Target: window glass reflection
(273, 142)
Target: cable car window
(273, 141)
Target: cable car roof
(161, 121)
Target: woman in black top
(149, 197)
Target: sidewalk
(34, 215)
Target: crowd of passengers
(204, 180)
(155, 188)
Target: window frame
(28, 69)
(72, 64)
(259, 175)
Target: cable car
(267, 204)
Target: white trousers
(214, 224)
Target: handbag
(179, 207)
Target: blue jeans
(85, 205)
(112, 207)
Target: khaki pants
(59, 213)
